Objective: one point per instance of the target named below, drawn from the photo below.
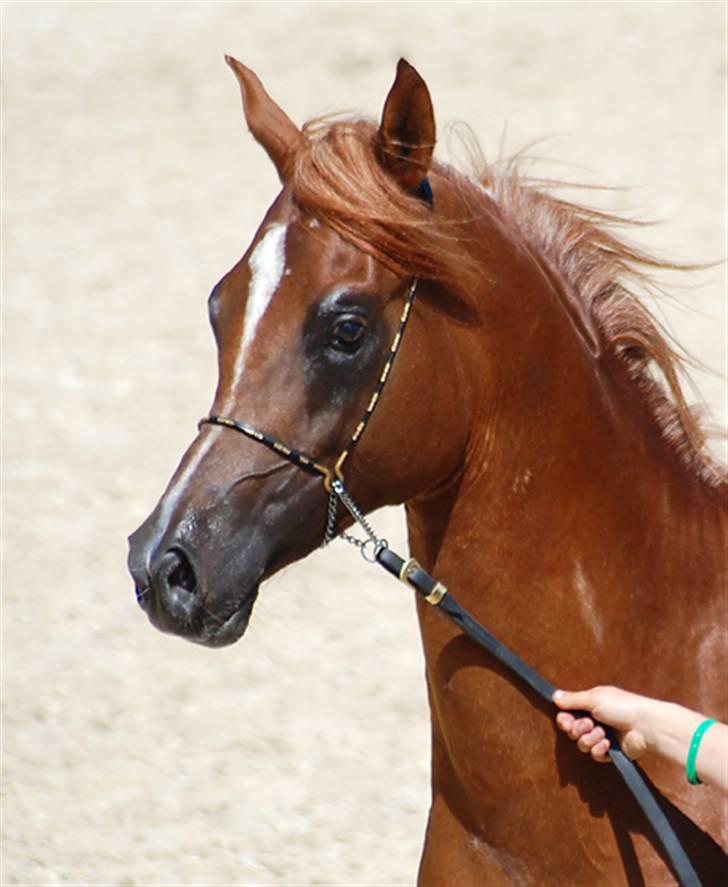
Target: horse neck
(569, 498)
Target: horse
(534, 426)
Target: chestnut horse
(552, 479)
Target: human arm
(644, 725)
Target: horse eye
(348, 334)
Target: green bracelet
(700, 731)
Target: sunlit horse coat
(549, 480)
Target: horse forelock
(337, 177)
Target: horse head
(304, 324)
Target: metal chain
(330, 533)
(339, 491)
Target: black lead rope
(437, 595)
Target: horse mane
(338, 178)
(606, 273)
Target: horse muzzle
(172, 593)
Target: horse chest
(486, 731)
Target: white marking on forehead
(267, 264)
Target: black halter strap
(425, 191)
(297, 457)
(302, 460)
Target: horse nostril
(175, 580)
(183, 576)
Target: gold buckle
(437, 593)
(408, 567)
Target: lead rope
(436, 594)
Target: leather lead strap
(630, 772)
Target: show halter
(436, 594)
(333, 478)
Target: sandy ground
(299, 756)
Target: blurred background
(130, 185)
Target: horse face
(303, 324)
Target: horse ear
(269, 124)
(406, 137)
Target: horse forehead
(318, 257)
(298, 259)
(295, 260)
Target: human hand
(617, 708)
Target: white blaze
(178, 488)
(267, 265)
